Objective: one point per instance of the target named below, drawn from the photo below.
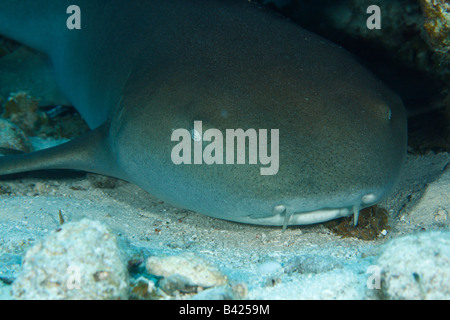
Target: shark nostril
(279, 209)
(368, 198)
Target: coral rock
(416, 266)
(12, 138)
(81, 260)
(195, 271)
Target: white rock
(416, 266)
(269, 267)
(195, 270)
(81, 260)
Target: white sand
(336, 268)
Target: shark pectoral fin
(90, 153)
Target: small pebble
(269, 267)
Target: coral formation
(12, 139)
(437, 26)
(22, 110)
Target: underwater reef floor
(170, 253)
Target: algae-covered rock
(22, 110)
(372, 223)
(80, 260)
(437, 26)
(12, 139)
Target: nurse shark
(139, 70)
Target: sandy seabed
(261, 258)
